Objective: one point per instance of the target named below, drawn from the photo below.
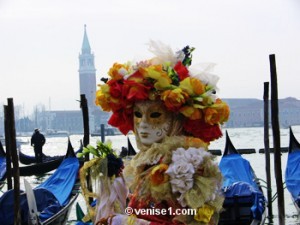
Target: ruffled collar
(162, 152)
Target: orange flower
(117, 71)
(211, 116)
(158, 175)
(223, 110)
(192, 86)
(174, 99)
(195, 142)
(191, 112)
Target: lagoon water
(240, 137)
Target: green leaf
(85, 150)
(79, 155)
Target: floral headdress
(170, 78)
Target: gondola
(2, 166)
(129, 151)
(292, 172)
(54, 197)
(28, 170)
(244, 200)
(28, 159)
(49, 163)
(40, 168)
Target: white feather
(163, 53)
(202, 72)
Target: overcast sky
(40, 41)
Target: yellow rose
(204, 213)
(157, 73)
(102, 100)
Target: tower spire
(86, 48)
(87, 72)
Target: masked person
(174, 112)
(37, 141)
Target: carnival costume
(174, 172)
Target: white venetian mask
(152, 121)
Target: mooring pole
(102, 133)
(267, 150)
(14, 159)
(85, 115)
(276, 140)
(86, 136)
(8, 149)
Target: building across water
(244, 112)
(250, 112)
(71, 120)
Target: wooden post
(276, 140)
(86, 136)
(102, 133)
(267, 150)
(14, 158)
(85, 115)
(8, 149)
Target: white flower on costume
(181, 174)
(182, 169)
(191, 155)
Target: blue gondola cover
(44, 199)
(292, 175)
(241, 183)
(63, 179)
(2, 167)
(50, 196)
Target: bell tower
(87, 72)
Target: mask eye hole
(155, 114)
(138, 114)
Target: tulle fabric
(112, 197)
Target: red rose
(135, 91)
(123, 120)
(115, 88)
(181, 70)
(202, 130)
